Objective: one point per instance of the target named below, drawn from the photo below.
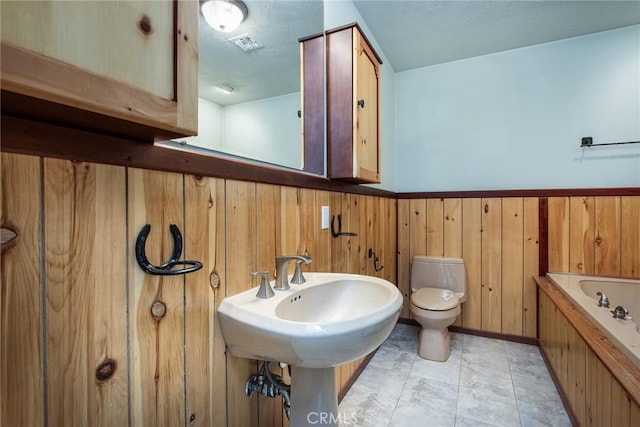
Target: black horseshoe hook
(339, 233)
(165, 269)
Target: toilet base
(434, 344)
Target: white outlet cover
(325, 217)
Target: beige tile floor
(485, 382)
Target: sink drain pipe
(270, 385)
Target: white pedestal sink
(330, 320)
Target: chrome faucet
(621, 312)
(282, 266)
(603, 301)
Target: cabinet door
(353, 75)
(127, 68)
(367, 161)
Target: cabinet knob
(361, 103)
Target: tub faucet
(621, 312)
(282, 265)
(604, 301)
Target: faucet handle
(621, 312)
(298, 277)
(265, 291)
(604, 301)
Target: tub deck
(619, 365)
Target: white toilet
(438, 287)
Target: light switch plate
(325, 217)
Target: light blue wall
(266, 130)
(514, 120)
(342, 12)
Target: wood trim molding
(23, 136)
(566, 192)
(625, 372)
(543, 236)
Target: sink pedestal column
(314, 400)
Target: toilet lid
(434, 299)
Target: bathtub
(581, 290)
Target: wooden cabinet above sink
(353, 90)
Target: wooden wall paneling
(241, 213)
(268, 227)
(21, 310)
(291, 226)
(370, 226)
(580, 406)
(452, 235)
(491, 264)
(418, 234)
(558, 233)
(569, 386)
(322, 256)
(86, 299)
(607, 250)
(512, 298)
(634, 412)
(563, 336)
(435, 227)
(156, 303)
(620, 406)
(581, 235)
(390, 240)
(452, 245)
(268, 235)
(404, 259)
(356, 224)
(418, 228)
(531, 266)
(204, 240)
(338, 245)
(603, 393)
(630, 237)
(309, 223)
(471, 253)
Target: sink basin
(330, 320)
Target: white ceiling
(415, 34)
(411, 34)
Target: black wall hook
(165, 269)
(375, 260)
(339, 233)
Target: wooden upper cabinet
(124, 68)
(353, 97)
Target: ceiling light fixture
(225, 88)
(224, 15)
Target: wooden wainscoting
(497, 238)
(599, 385)
(595, 235)
(89, 339)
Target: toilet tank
(439, 272)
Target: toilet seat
(434, 299)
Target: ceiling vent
(245, 42)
